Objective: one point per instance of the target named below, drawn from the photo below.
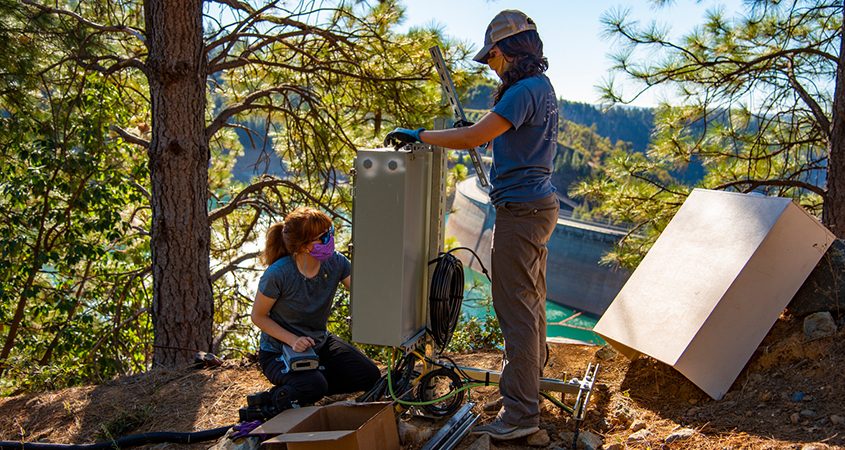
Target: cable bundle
(445, 297)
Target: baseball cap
(507, 23)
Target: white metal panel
(390, 245)
(714, 283)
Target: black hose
(132, 440)
(445, 298)
(447, 294)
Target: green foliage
(757, 99)
(474, 334)
(67, 253)
(311, 86)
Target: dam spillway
(574, 277)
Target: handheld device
(295, 361)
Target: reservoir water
(563, 324)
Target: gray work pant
(519, 298)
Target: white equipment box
(714, 283)
(391, 213)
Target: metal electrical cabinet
(390, 240)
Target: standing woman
(292, 307)
(523, 128)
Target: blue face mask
(324, 250)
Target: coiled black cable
(447, 294)
(133, 440)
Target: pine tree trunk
(833, 215)
(183, 307)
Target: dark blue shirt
(302, 304)
(523, 156)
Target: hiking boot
(500, 431)
(259, 399)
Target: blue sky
(571, 32)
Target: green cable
(556, 402)
(430, 402)
(468, 386)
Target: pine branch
(753, 184)
(232, 265)
(88, 23)
(249, 103)
(129, 137)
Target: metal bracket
(454, 430)
(584, 391)
(414, 341)
(457, 109)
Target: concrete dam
(574, 277)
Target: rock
(641, 435)
(482, 443)
(794, 418)
(207, 360)
(605, 353)
(807, 413)
(411, 435)
(679, 435)
(590, 441)
(586, 440)
(493, 406)
(837, 420)
(623, 415)
(819, 325)
(637, 426)
(824, 289)
(539, 439)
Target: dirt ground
(791, 395)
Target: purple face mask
(324, 250)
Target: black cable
(481, 264)
(445, 298)
(132, 440)
(447, 294)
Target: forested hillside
(618, 124)
(621, 123)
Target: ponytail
(274, 247)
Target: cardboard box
(339, 426)
(714, 283)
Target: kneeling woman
(292, 307)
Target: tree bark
(183, 307)
(833, 214)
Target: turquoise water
(576, 326)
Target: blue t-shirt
(302, 304)
(523, 156)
